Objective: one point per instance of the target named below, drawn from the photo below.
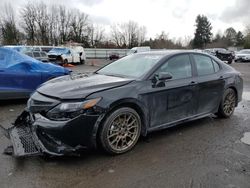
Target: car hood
(80, 86)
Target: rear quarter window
(216, 66)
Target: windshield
(244, 52)
(131, 66)
(59, 50)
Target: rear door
(210, 83)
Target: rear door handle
(221, 78)
(192, 83)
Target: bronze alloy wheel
(228, 103)
(121, 131)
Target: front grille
(23, 141)
(52, 56)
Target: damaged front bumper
(30, 137)
(23, 140)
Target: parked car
(43, 48)
(222, 54)
(62, 55)
(139, 49)
(20, 75)
(39, 55)
(114, 55)
(242, 56)
(132, 96)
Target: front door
(173, 99)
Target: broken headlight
(68, 110)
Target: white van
(139, 49)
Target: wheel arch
(236, 92)
(131, 103)
(135, 105)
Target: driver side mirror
(160, 78)
(164, 76)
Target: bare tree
(28, 16)
(42, 20)
(142, 31)
(8, 29)
(64, 19)
(53, 25)
(78, 26)
(128, 34)
(117, 36)
(96, 35)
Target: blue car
(20, 74)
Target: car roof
(169, 52)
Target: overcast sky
(175, 17)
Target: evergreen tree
(239, 39)
(203, 32)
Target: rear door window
(204, 65)
(36, 54)
(43, 54)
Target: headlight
(69, 110)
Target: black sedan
(124, 100)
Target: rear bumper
(32, 136)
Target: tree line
(203, 37)
(37, 23)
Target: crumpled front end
(22, 137)
(34, 135)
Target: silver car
(242, 56)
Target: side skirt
(172, 124)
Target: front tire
(65, 62)
(120, 131)
(227, 104)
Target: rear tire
(120, 131)
(227, 104)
